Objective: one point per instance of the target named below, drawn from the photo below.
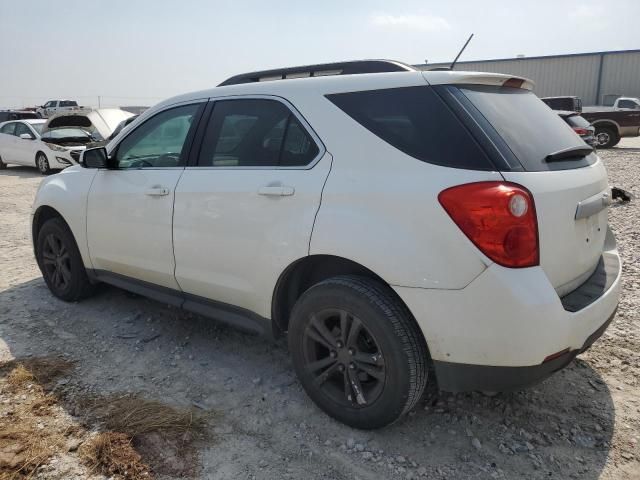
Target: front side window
(255, 133)
(158, 142)
(8, 128)
(50, 104)
(21, 128)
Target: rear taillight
(499, 218)
(581, 131)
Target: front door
(130, 206)
(246, 211)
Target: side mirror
(94, 158)
(26, 136)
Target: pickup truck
(613, 123)
(53, 107)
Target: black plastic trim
(230, 314)
(463, 377)
(346, 68)
(596, 285)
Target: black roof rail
(320, 70)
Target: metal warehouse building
(598, 78)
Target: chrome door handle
(276, 191)
(157, 191)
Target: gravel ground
(584, 422)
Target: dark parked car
(581, 126)
(8, 115)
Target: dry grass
(112, 454)
(164, 435)
(26, 441)
(137, 437)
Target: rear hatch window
(526, 129)
(577, 121)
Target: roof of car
(33, 121)
(329, 84)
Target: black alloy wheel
(357, 351)
(344, 357)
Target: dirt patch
(164, 436)
(124, 436)
(31, 432)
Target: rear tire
(61, 263)
(358, 351)
(606, 137)
(42, 162)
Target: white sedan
(23, 143)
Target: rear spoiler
(476, 78)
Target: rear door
(570, 190)
(245, 210)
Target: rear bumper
(458, 377)
(496, 333)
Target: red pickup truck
(610, 123)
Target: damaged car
(25, 142)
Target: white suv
(385, 219)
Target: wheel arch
(307, 271)
(606, 124)
(40, 216)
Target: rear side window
(416, 121)
(255, 133)
(529, 128)
(68, 103)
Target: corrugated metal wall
(569, 75)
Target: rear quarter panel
(380, 208)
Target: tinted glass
(68, 103)
(21, 128)
(529, 128)
(577, 121)
(8, 128)
(158, 142)
(255, 133)
(416, 121)
(627, 104)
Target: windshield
(529, 128)
(66, 133)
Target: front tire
(358, 351)
(60, 262)
(2, 164)
(42, 162)
(606, 137)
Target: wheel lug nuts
(352, 351)
(339, 344)
(352, 366)
(333, 354)
(341, 368)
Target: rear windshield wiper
(572, 152)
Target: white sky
(134, 52)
